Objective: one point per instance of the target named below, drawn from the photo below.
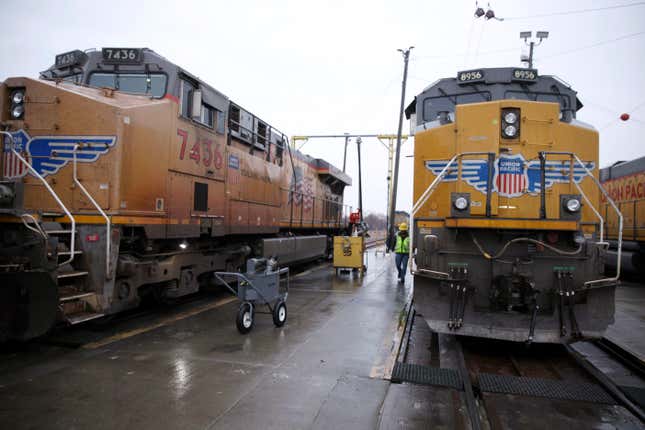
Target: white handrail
(426, 194)
(419, 204)
(108, 224)
(595, 211)
(424, 198)
(38, 229)
(51, 191)
(613, 205)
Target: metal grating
(536, 387)
(425, 375)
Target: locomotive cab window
(220, 118)
(561, 99)
(153, 84)
(77, 78)
(433, 105)
(208, 116)
(186, 96)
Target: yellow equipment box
(348, 252)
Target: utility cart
(349, 253)
(260, 285)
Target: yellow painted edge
(512, 223)
(422, 224)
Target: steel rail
(53, 194)
(626, 358)
(606, 383)
(471, 403)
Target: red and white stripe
(510, 183)
(12, 167)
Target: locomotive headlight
(461, 203)
(573, 205)
(510, 123)
(510, 130)
(510, 117)
(17, 111)
(17, 101)
(18, 96)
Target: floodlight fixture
(525, 34)
(542, 35)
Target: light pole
(391, 229)
(526, 35)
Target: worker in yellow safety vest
(402, 251)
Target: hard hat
(403, 227)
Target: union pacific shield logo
(510, 177)
(48, 154)
(12, 167)
(513, 175)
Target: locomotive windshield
(486, 85)
(152, 84)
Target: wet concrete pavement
(326, 368)
(323, 369)
(628, 330)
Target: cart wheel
(244, 319)
(280, 313)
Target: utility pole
(345, 153)
(395, 179)
(360, 180)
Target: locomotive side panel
(186, 182)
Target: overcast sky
(330, 67)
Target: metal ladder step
(59, 231)
(72, 274)
(52, 214)
(76, 252)
(75, 297)
(82, 317)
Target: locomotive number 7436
(203, 151)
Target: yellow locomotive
(508, 238)
(124, 175)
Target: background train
(506, 220)
(129, 175)
(625, 183)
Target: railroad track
(374, 243)
(507, 385)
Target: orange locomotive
(123, 174)
(624, 181)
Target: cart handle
(244, 278)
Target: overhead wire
(573, 12)
(604, 42)
(479, 40)
(470, 35)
